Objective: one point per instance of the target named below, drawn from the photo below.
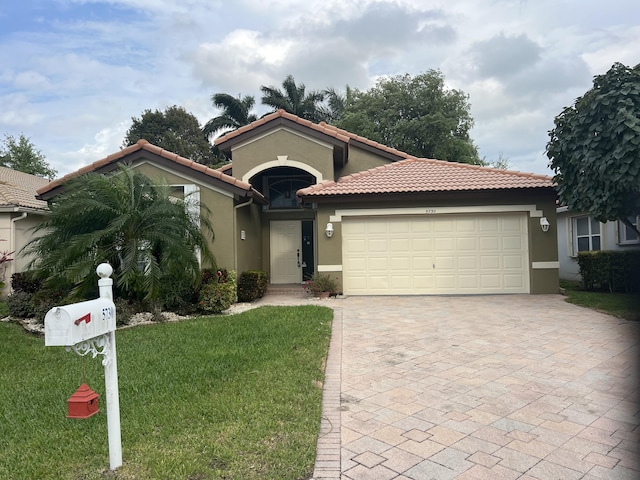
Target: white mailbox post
(90, 327)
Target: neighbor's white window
(586, 234)
(628, 235)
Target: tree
(294, 100)
(23, 156)
(175, 130)
(335, 104)
(235, 113)
(416, 115)
(124, 219)
(594, 148)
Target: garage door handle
(298, 255)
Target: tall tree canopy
(416, 115)
(125, 219)
(594, 148)
(23, 156)
(235, 113)
(294, 99)
(175, 130)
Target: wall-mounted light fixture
(544, 224)
(329, 230)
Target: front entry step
(287, 289)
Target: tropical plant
(129, 221)
(594, 148)
(235, 113)
(294, 99)
(22, 155)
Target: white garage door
(446, 254)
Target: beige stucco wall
(263, 153)
(15, 241)
(249, 253)
(360, 160)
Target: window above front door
(281, 191)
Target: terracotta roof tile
(416, 175)
(18, 189)
(145, 145)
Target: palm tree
(235, 113)
(294, 100)
(128, 221)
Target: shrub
(218, 296)
(320, 283)
(252, 284)
(19, 304)
(612, 270)
(26, 282)
(178, 294)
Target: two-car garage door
(435, 254)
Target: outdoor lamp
(329, 230)
(544, 224)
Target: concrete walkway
(486, 387)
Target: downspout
(235, 233)
(12, 248)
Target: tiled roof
(145, 145)
(18, 189)
(318, 127)
(322, 127)
(416, 175)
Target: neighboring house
(19, 212)
(301, 197)
(579, 232)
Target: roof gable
(145, 150)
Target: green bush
(612, 270)
(219, 296)
(178, 294)
(26, 282)
(252, 284)
(321, 283)
(19, 304)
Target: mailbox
(83, 403)
(68, 325)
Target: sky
(73, 73)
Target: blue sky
(74, 72)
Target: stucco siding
(254, 156)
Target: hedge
(613, 270)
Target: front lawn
(228, 397)
(623, 305)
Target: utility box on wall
(68, 325)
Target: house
(579, 232)
(19, 212)
(300, 197)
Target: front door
(286, 251)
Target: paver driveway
(483, 387)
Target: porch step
(288, 289)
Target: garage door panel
(512, 243)
(468, 254)
(490, 244)
(399, 245)
(467, 243)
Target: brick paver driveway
(483, 387)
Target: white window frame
(573, 234)
(191, 199)
(621, 234)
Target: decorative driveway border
(481, 387)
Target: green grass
(228, 397)
(623, 305)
